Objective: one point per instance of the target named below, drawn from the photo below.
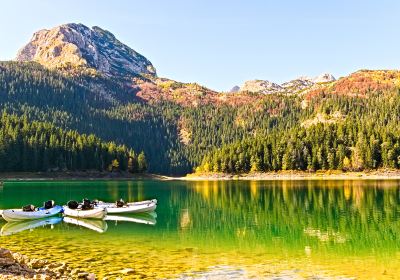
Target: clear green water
(249, 229)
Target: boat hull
(96, 213)
(129, 208)
(16, 215)
(143, 202)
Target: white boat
(102, 203)
(95, 213)
(15, 227)
(141, 208)
(132, 207)
(15, 215)
(95, 225)
(147, 220)
(143, 202)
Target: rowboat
(15, 215)
(95, 225)
(15, 227)
(106, 204)
(131, 207)
(143, 202)
(95, 213)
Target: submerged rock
(18, 266)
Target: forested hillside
(347, 124)
(174, 137)
(39, 146)
(86, 104)
(353, 125)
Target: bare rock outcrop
(261, 86)
(292, 87)
(78, 46)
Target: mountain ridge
(289, 87)
(95, 50)
(77, 49)
(78, 46)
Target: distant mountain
(72, 46)
(261, 86)
(235, 89)
(324, 78)
(296, 85)
(292, 87)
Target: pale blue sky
(223, 43)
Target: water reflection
(362, 214)
(99, 226)
(143, 218)
(16, 227)
(261, 225)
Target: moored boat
(131, 207)
(143, 202)
(95, 213)
(15, 215)
(84, 210)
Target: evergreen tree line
(38, 146)
(93, 105)
(346, 146)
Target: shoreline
(382, 174)
(79, 175)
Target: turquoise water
(245, 228)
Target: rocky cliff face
(324, 78)
(292, 87)
(261, 86)
(77, 46)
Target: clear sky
(222, 43)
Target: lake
(243, 229)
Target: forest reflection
(358, 215)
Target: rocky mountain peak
(297, 84)
(261, 86)
(290, 87)
(235, 89)
(76, 45)
(324, 78)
